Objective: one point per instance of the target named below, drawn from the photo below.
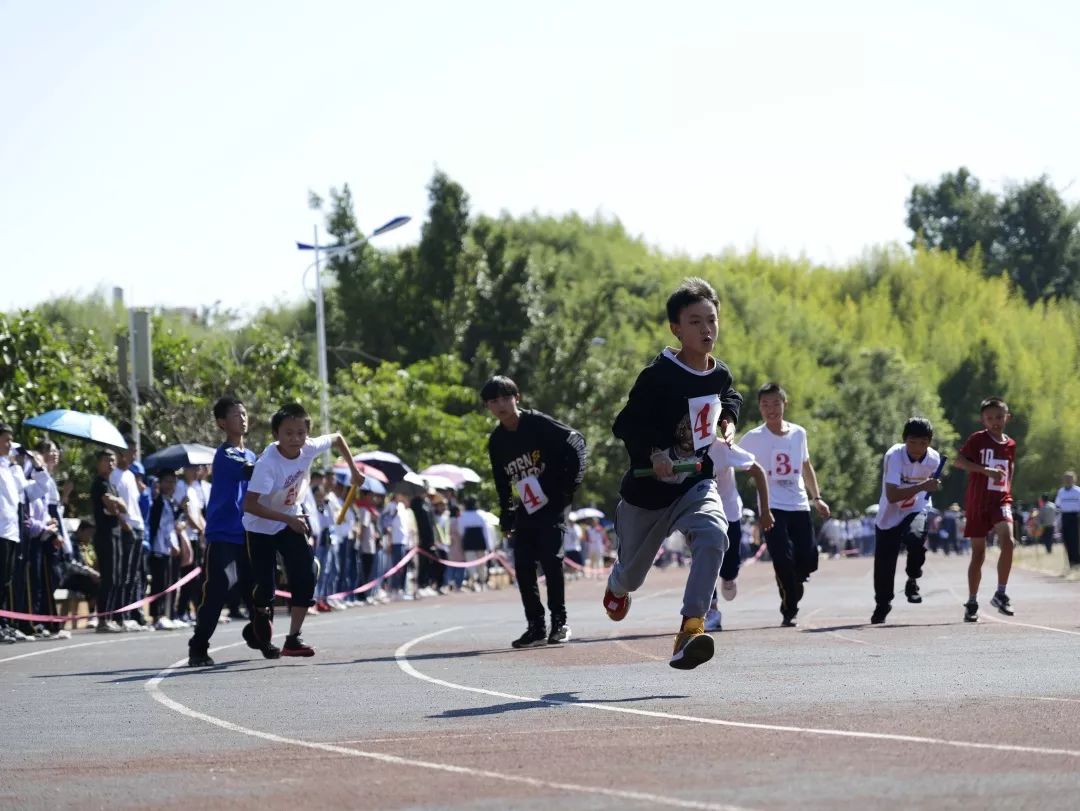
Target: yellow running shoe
(692, 645)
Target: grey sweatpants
(699, 515)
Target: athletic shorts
(980, 524)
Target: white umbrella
(455, 473)
(587, 513)
(439, 482)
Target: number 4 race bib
(704, 415)
(531, 494)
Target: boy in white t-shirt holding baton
(910, 472)
(275, 522)
(726, 460)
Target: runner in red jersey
(989, 457)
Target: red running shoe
(295, 646)
(616, 607)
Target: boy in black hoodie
(680, 404)
(538, 463)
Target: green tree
(1038, 246)
(955, 214)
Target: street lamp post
(331, 251)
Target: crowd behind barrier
(413, 543)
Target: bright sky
(168, 147)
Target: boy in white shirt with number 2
(909, 474)
(276, 524)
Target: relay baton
(680, 467)
(349, 499)
(940, 467)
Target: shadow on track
(548, 701)
(144, 673)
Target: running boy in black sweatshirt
(680, 404)
(537, 463)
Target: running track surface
(423, 705)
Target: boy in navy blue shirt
(226, 565)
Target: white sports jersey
(726, 460)
(901, 470)
(783, 457)
(282, 484)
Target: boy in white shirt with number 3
(780, 447)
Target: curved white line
(153, 687)
(401, 656)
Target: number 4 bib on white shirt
(704, 415)
(531, 494)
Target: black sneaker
(789, 619)
(269, 650)
(911, 591)
(1002, 603)
(295, 646)
(534, 637)
(971, 611)
(559, 634)
(880, 613)
(199, 659)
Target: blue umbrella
(92, 427)
(175, 457)
(373, 485)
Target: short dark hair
(470, 502)
(993, 402)
(129, 440)
(918, 427)
(44, 446)
(499, 386)
(166, 474)
(103, 453)
(289, 411)
(691, 291)
(772, 388)
(6, 429)
(224, 405)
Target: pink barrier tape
(15, 615)
(586, 568)
(367, 586)
(457, 564)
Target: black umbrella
(175, 457)
(388, 463)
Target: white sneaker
(92, 623)
(712, 620)
(728, 589)
(130, 625)
(62, 634)
(164, 624)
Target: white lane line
(63, 648)
(992, 618)
(837, 634)
(153, 687)
(1053, 698)
(401, 655)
